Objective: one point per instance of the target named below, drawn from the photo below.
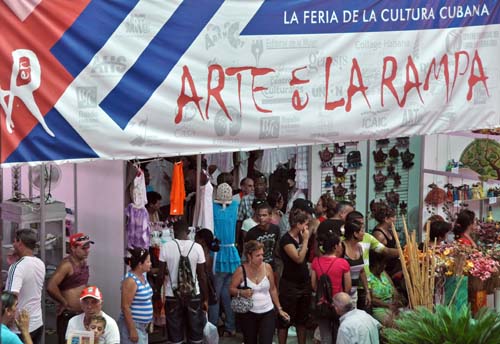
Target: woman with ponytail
(464, 224)
(136, 300)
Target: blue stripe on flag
(39, 146)
(89, 33)
(276, 17)
(158, 59)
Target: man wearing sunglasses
(68, 281)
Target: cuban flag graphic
(87, 79)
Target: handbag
(240, 304)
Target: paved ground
(237, 339)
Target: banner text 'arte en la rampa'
(87, 79)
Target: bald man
(356, 326)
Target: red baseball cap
(92, 292)
(79, 239)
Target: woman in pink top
(338, 270)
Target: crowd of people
(288, 261)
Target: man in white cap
(91, 301)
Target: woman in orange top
(464, 224)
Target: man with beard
(70, 278)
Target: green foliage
(446, 325)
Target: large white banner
(135, 79)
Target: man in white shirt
(184, 317)
(25, 279)
(91, 301)
(356, 326)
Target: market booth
(105, 84)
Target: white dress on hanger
(203, 212)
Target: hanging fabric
(203, 212)
(178, 192)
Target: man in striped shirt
(25, 279)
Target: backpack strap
(319, 264)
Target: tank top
(79, 277)
(357, 265)
(391, 243)
(261, 297)
(142, 305)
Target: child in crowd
(97, 325)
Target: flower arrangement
(456, 259)
(487, 234)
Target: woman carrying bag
(258, 323)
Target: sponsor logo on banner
(269, 128)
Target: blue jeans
(141, 328)
(222, 280)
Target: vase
(456, 291)
(479, 300)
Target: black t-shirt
(333, 225)
(269, 239)
(293, 272)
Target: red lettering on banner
(215, 92)
(352, 90)
(183, 98)
(237, 70)
(473, 79)
(257, 72)
(337, 103)
(388, 81)
(217, 81)
(410, 66)
(296, 100)
(457, 67)
(443, 64)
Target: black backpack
(186, 284)
(323, 302)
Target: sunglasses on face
(83, 238)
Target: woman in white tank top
(258, 324)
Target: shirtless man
(70, 278)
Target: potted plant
(444, 325)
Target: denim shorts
(184, 320)
(142, 332)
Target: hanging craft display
(339, 191)
(403, 141)
(382, 142)
(379, 156)
(352, 197)
(397, 180)
(352, 180)
(436, 196)
(325, 155)
(392, 198)
(394, 154)
(339, 172)
(391, 170)
(379, 180)
(354, 159)
(403, 208)
(328, 181)
(339, 148)
(407, 158)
